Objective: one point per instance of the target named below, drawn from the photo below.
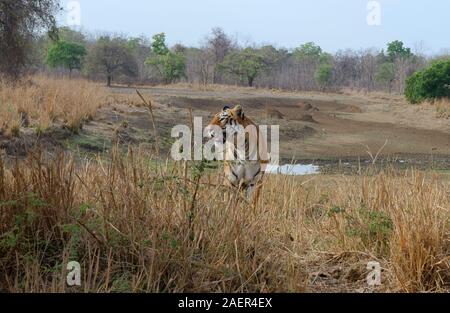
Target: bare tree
(221, 45)
(141, 48)
(199, 65)
(368, 69)
(404, 67)
(345, 68)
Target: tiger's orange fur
(244, 174)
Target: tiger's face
(228, 119)
(230, 122)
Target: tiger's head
(228, 118)
(231, 121)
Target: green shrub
(323, 75)
(429, 84)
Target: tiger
(244, 171)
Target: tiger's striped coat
(242, 170)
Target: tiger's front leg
(253, 181)
(234, 175)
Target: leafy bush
(170, 65)
(323, 75)
(431, 83)
(372, 228)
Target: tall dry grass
(443, 108)
(137, 225)
(42, 101)
(140, 227)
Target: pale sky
(332, 24)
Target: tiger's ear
(239, 111)
(225, 108)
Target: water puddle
(293, 169)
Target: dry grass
(374, 95)
(141, 226)
(138, 227)
(443, 108)
(44, 101)
(209, 87)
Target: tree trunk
(109, 81)
(250, 81)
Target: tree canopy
(396, 49)
(308, 50)
(66, 54)
(247, 64)
(111, 57)
(159, 46)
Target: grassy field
(137, 227)
(140, 224)
(42, 102)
